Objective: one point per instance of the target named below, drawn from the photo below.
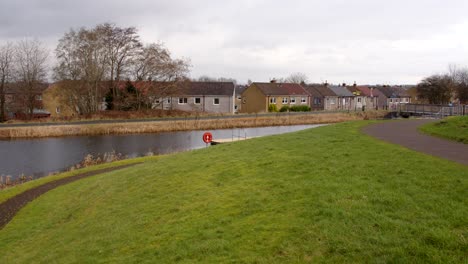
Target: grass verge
(329, 194)
(453, 128)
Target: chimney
(344, 84)
(354, 84)
(273, 80)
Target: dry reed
(182, 125)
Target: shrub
(299, 108)
(272, 108)
(284, 108)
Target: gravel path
(11, 207)
(406, 133)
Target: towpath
(406, 133)
(11, 207)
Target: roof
(341, 91)
(281, 88)
(366, 90)
(325, 90)
(393, 91)
(15, 88)
(312, 89)
(208, 88)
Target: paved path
(405, 133)
(11, 207)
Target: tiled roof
(14, 88)
(281, 88)
(312, 89)
(208, 88)
(393, 91)
(365, 90)
(341, 91)
(325, 90)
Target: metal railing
(433, 110)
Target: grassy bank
(454, 128)
(328, 194)
(181, 125)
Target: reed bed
(181, 125)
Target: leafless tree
(297, 77)
(31, 71)
(6, 70)
(459, 76)
(82, 64)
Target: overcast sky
(367, 41)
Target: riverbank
(318, 195)
(163, 125)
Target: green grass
(454, 128)
(17, 189)
(329, 194)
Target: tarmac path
(406, 133)
(12, 206)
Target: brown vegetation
(182, 125)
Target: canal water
(40, 157)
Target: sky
(363, 41)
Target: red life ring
(207, 137)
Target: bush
(284, 108)
(299, 108)
(272, 108)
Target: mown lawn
(454, 128)
(329, 194)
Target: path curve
(11, 207)
(406, 133)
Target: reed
(182, 125)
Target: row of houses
(228, 98)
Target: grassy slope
(327, 194)
(454, 128)
(12, 191)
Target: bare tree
(297, 77)
(6, 67)
(82, 64)
(459, 76)
(31, 71)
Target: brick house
(259, 96)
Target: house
(206, 97)
(369, 97)
(345, 97)
(259, 97)
(392, 96)
(330, 99)
(317, 100)
(19, 100)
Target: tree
(82, 63)
(297, 77)
(459, 76)
(31, 71)
(437, 89)
(6, 67)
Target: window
(303, 100)
(244, 100)
(235, 107)
(216, 101)
(317, 100)
(332, 100)
(239, 97)
(285, 100)
(158, 101)
(272, 100)
(39, 97)
(197, 100)
(182, 100)
(359, 99)
(293, 100)
(391, 100)
(168, 100)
